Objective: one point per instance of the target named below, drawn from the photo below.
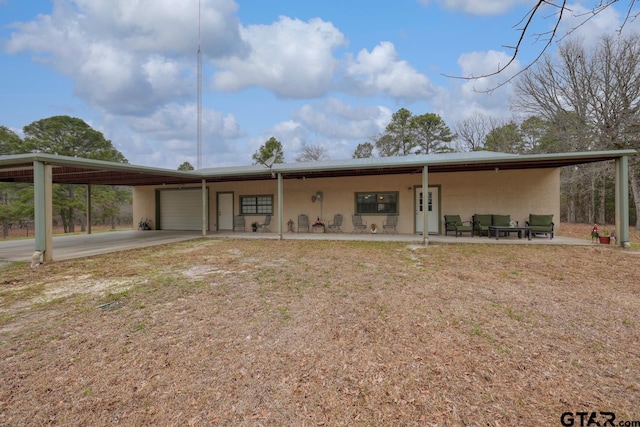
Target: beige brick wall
(517, 193)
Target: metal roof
(75, 170)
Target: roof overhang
(73, 170)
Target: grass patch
(334, 333)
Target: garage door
(181, 209)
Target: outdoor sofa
(482, 222)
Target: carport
(43, 170)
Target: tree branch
(527, 22)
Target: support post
(89, 219)
(204, 208)
(43, 209)
(280, 205)
(425, 205)
(622, 201)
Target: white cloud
(128, 57)
(168, 26)
(178, 122)
(579, 22)
(333, 124)
(478, 7)
(334, 118)
(291, 58)
(478, 64)
(380, 71)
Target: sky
(328, 73)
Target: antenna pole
(199, 137)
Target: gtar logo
(584, 419)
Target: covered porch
(44, 170)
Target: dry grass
(247, 332)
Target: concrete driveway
(82, 245)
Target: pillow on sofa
(540, 220)
(501, 220)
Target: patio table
(508, 229)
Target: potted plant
(605, 237)
(374, 228)
(254, 226)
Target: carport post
(204, 208)
(425, 205)
(43, 209)
(622, 200)
(89, 220)
(280, 205)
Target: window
(381, 203)
(256, 205)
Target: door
(225, 211)
(433, 209)
(180, 209)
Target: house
(208, 199)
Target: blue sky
(317, 73)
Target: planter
(318, 228)
(605, 240)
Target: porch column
(89, 209)
(425, 205)
(43, 209)
(622, 201)
(280, 205)
(204, 208)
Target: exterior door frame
(434, 218)
(219, 211)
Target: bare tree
(312, 153)
(472, 131)
(556, 11)
(592, 99)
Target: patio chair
(303, 223)
(238, 223)
(264, 227)
(359, 226)
(541, 224)
(335, 225)
(455, 224)
(390, 224)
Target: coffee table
(508, 229)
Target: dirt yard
(257, 333)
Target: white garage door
(181, 209)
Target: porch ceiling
(66, 170)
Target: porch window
(377, 203)
(256, 205)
